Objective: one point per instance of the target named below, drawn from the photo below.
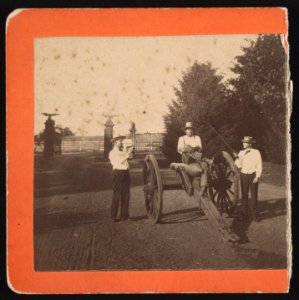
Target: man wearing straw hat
(121, 178)
(190, 147)
(249, 161)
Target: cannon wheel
(224, 183)
(153, 188)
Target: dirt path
(74, 232)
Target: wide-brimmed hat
(248, 140)
(118, 137)
(189, 125)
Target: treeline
(59, 131)
(251, 103)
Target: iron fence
(97, 145)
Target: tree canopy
(251, 103)
(60, 130)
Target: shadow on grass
(266, 210)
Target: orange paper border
(22, 28)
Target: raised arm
(238, 160)
(116, 158)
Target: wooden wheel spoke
(226, 203)
(229, 201)
(229, 173)
(154, 192)
(224, 168)
(221, 204)
(218, 199)
(225, 179)
(214, 194)
(230, 191)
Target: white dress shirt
(193, 141)
(249, 161)
(119, 159)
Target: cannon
(218, 203)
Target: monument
(108, 135)
(49, 135)
(133, 137)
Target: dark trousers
(249, 206)
(121, 194)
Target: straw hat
(118, 137)
(189, 125)
(248, 140)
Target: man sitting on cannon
(193, 165)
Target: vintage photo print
(159, 153)
(153, 152)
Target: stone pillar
(133, 136)
(108, 135)
(49, 137)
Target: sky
(84, 79)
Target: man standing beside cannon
(190, 147)
(121, 178)
(249, 161)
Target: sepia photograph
(161, 153)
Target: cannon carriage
(219, 201)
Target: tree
(252, 103)
(200, 98)
(61, 132)
(259, 95)
(64, 131)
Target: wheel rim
(224, 183)
(153, 189)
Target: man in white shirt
(121, 179)
(249, 161)
(190, 147)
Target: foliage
(60, 131)
(251, 103)
(260, 89)
(64, 131)
(200, 99)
